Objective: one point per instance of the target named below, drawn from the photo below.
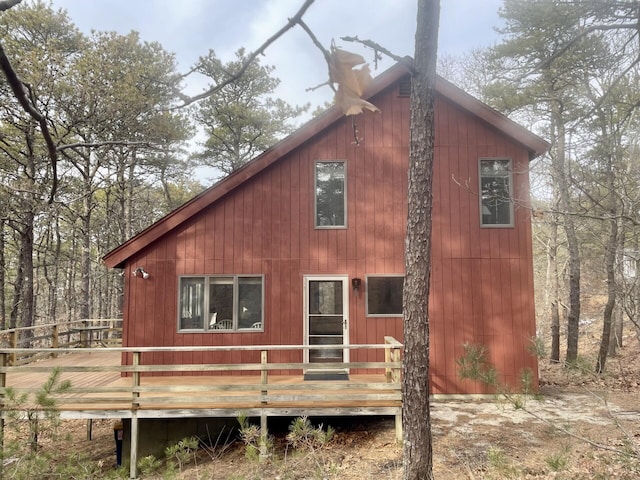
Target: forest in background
(126, 156)
(566, 69)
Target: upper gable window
(496, 192)
(330, 197)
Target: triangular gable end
(534, 144)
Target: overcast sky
(189, 28)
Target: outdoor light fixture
(355, 283)
(140, 272)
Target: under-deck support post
(135, 404)
(399, 426)
(264, 379)
(3, 384)
(133, 457)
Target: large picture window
(496, 192)
(330, 197)
(221, 303)
(384, 295)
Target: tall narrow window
(191, 303)
(496, 192)
(330, 184)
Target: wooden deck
(100, 390)
(101, 387)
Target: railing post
(14, 344)
(85, 336)
(135, 404)
(55, 339)
(387, 359)
(109, 332)
(396, 373)
(264, 376)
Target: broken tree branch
(325, 53)
(377, 48)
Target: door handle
(344, 323)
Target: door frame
(345, 313)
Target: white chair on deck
(223, 325)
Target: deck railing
(249, 388)
(28, 342)
(140, 384)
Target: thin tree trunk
(56, 270)
(416, 417)
(130, 192)
(563, 176)
(26, 259)
(610, 259)
(553, 289)
(18, 289)
(615, 341)
(85, 242)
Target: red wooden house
(304, 244)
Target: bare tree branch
(123, 143)
(7, 4)
(377, 48)
(20, 92)
(325, 52)
(251, 57)
(587, 31)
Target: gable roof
(532, 143)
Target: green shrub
(304, 436)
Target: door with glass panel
(326, 319)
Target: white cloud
(191, 27)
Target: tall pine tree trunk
(416, 418)
(3, 305)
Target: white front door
(326, 318)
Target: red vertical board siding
(481, 278)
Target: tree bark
(3, 306)
(615, 341)
(610, 256)
(416, 417)
(563, 175)
(553, 290)
(85, 259)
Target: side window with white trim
(496, 192)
